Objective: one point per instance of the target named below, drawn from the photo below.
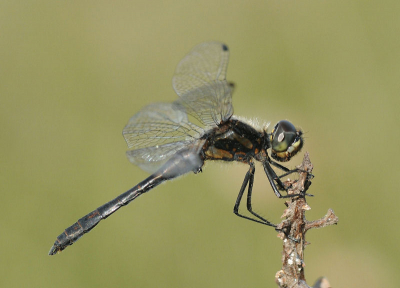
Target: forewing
(200, 82)
(156, 133)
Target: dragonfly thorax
(233, 140)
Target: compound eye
(283, 136)
(285, 141)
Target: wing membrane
(151, 158)
(156, 133)
(200, 82)
(160, 130)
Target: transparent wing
(200, 82)
(156, 133)
(151, 158)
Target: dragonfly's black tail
(181, 163)
(88, 222)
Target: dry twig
(296, 226)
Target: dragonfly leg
(249, 194)
(249, 179)
(272, 178)
(288, 171)
(283, 168)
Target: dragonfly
(172, 139)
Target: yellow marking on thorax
(213, 152)
(244, 141)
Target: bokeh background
(73, 72)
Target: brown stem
(295, 227)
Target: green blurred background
(74, 72)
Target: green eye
(285, 140)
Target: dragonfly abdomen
(183, 162)
(89, 221)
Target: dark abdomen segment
(88, 222)
(182, 163)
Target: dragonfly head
(285, 141)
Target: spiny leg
(283, 168)
(249, 179)
(288, 171)
(249, 194)
(278, 178)
(272, 177)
